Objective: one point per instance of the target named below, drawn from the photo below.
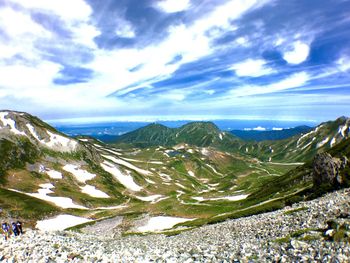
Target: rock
(327, 170)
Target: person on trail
(19, 227)
(14, 229)
(6, 230)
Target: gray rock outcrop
(327, 170)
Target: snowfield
(150, 198)
(125, 180)
(80, 174)
(159, 223)
(11, 123)
(92, 191)
(126, 164)
(54, 174)
(63, 202)
(59, 142)
(230, 198)
(56, 141)
(60, 222)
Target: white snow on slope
(165, 177)
(56, 141)
(159, 223)
(111, 151)
(307, 134)
(150, 198)
(92, 191)
(126, 164)
(308, 144)
(342, 130)
(32, 131)
(220, 135)
(190, 173)
(11, 123)
(230, 198)
(214, 170)
(63, 202)
(60, 222)
(320, 144)
(80, 174)
(54, 174)
(333, 141)
(205, 151)
(125, 180)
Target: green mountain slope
(202, 134)
(195, 171)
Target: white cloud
(111, 67)
(297, 54)
(66, 9)
(242, 41)
(173, 6)
(125, 30)
(259, 128)
(17, 24)
(293, 81)
(343, 63)
(252, 68)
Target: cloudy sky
(176, 59)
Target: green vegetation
(292, 211)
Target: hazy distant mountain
(253, 135)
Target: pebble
(249, 239)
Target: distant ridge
(202, 134)
(273, 135)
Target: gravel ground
(251, 239)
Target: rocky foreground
(302, 233)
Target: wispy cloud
(132, 58)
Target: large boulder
(327, 170)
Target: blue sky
(176, 59)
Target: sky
(175, 59)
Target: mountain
(303, 147)
(253, 135)
(202, 134)
(195, 174)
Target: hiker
(6, 230)
(14, 229)
(19, 227)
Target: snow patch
(151, 198)
(54, 174)
(159, 223)
(11, 123)
(58, 141)
(342, 130)
(333, 141)
(230, 198)
(320, 144)
(165, 176)
(92, 191)
(126, 164)
(190, 173)
(125, 180)
(80, 174)
(60, 222)
(63, 202)
(205, 151)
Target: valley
(157, 179)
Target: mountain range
(196, 172)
